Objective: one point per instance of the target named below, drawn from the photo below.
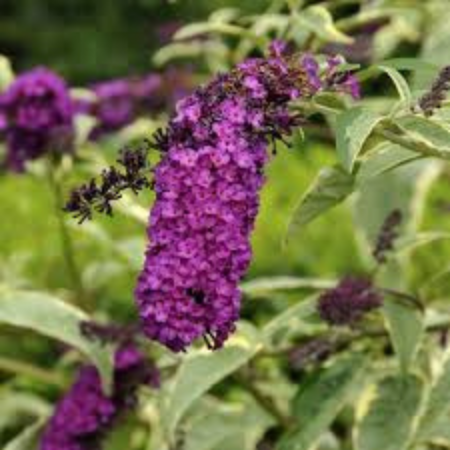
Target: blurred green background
(88, 40)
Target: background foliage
(388, 385)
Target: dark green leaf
(318, 402)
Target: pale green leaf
(197, 29)
(319, 21)
(319, 401)
(437, 408)
(53, 317)
(331, 187)
(201, 369)
(217, 422)
(405, 325)
(6, 73)
(418, 240)
(28, 439)
(388, 158)
(432, 132)
(15, 405)
(269, 285)
(400, 84)
(353, 127)
(386, 421)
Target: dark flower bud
(347, 303)
(134, 175)
(388, 234)
(433, 99)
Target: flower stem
(67, 245)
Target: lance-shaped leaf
(270, 285)
(387, 158)
(319, 21)
(428, 130)
(201, 369)
(331, 187)
(387, 416)
(405, 324)
(28, 439)
(53, 317)
(353, 127)
(437, 410)
(319, 401)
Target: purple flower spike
(86, 414)
(37, 117)
(207, 196)
(207, 188)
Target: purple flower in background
(114, 108)
(85, 414)
(120, 102)
(207, 196)
(348, 301)
(36, 115)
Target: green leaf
(437, 409)
(418, 240)
(414, 64)
(6, 73)
(384, 160)
(52, 317)
(353, 127)
(404, 188)
(201, 369)
(331, 187)
(400, 84)
(386, 421)
(267, 286)
(17, 405)
(319, 21)
(217, 422)
(319, 401)
(195, 29)
(426, 129)
(27, 439)
(405, 326)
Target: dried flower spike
(386, 238)
(134, 174)
(433, 99)
(348, 301)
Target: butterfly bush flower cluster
(36, 117)
(435, 96)
(85, 414)
(207, 188)
(349, 301)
